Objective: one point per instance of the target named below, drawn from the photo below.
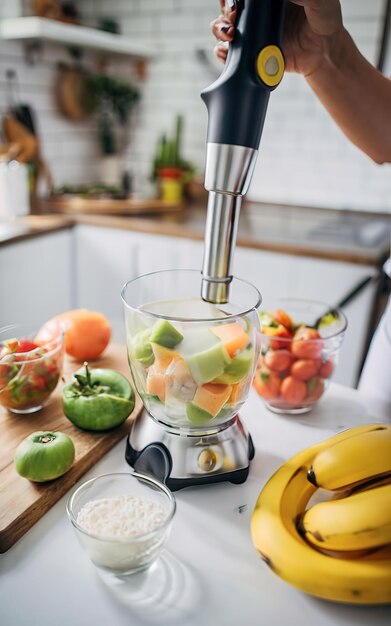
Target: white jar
(14, 190)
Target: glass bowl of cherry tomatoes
(30, 367)
(300, 344)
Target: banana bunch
(338, 549)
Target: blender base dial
(183, 459)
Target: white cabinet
(106, 258)
(36, 278)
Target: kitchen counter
(339, 235)
(210, 572)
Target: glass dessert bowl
(30, 367)
(122, 520)
(300, 344)
(192, 361)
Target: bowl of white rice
(122, 520)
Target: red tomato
(278, 331)
(315, 389)
(25, 345)
(293, 391)
(278, 360)
(304, 369)
(267, 384)
(307, 343)
(283, 318)
(326, 369)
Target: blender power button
(270, 65)
(207, 460)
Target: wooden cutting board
(23, 503)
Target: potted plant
(170, 170)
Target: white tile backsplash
(304, 157)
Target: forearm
(357, 96)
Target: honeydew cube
(207, 365)
(238, 368)
(165, 334)
(196, 415)
(142, 348)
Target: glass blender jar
(192, 363)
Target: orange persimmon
(86, 333)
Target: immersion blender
(237, 103)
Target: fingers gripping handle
(237, 101)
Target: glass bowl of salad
(192, 361)
(30, 367)
(300, 345)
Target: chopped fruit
(196, 415)
(165, 334)
(212, 397)
(267, 384)
(315, 389)
(238, 368)
(207, 365)
(237, 392)
(304, 369)
(292, 390)
(142, 347)
(232, 335)
(278, 360)
(155, 384)
(283, 318)
(283, 334)
(163, 357)
(25, 345)
(307, 343)
(326, 369)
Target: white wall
(304, 157)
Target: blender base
(193, 457)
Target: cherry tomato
(283, 318)
(307, 343)
(292, 390)
(315, 389)
(267, 384)
(278, 360)
(25, 345)
(326, 369)
(280, 332)
(304, 369)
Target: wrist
(339, 53)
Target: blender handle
(238, 99)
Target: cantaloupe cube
(211, 397)
(163, 357)
(155, 384)
(233, 336)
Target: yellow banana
(361, 521)
(275, 536)
(360, 456)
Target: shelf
(42, 29)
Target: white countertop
(210, 574)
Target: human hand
(311, 28)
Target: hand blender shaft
(237, 104)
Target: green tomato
(44, 456)
(98, 399)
